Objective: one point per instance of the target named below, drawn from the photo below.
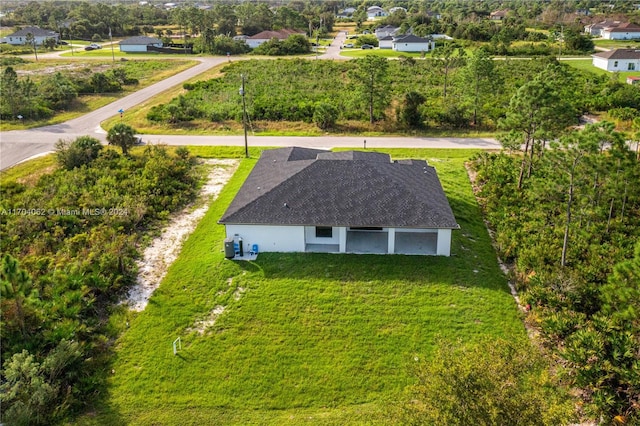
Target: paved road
(17, 146)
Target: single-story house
(626, 31)
(633, 80)
(376, 12)
(617, 60)
(412, 43)
(498, 15)
(397, 9)
(387, 30)
(347, 13)
(596, 29)
(39, 35)
(311, 200)
(385, 42)
(139, 44)
(264, 36)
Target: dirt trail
(164, 250)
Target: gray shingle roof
(37, 32)
(410, 38)
(300, 186)
(619, 54)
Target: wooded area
(69, 244)
(456, 92)
(566, 216)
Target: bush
(494, 383)
(325, 115)
(74, 154)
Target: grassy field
(587, 65)
(303, 338)
(613, 44)
(147, 72)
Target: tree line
(453, 90)
(565, 208)
(68, 247)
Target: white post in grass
(177, 346)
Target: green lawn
(304, 338)
(587, 65)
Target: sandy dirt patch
(164, 250)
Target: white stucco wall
(620, 35)
(616, 64)
(444, 242)
(23, 40)
(385, 44)
(134, 47)
(412, 47)
(270, 238)
(310, 236)
(253, 43)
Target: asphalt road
(19, 145)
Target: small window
(615, 64)
(632, 67)
(324, 232)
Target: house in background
(387, 30)
(20, 37)
(626, 31)
(139, 44)
(617, 60)
(412, 43)
(498, 15)
(264, 36)
(347, 13)
(385, 42)
(311, 200)
(633, 80)
(596, 29)
(375, 12)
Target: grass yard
(587, 65)
(147, 72)
(303, 338)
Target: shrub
(74, 154)
(325, 115)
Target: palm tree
(122, 135)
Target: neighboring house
(387, 30)
(139, 44)
(498, 15)
(347, 13)
(397, 9)
(626, 31)
(386, 42)
(311, 200)
(375, 12)
(633, 80)
(597, 28)
(617, 60)
(256, 40)
(40, 35)
(440, 37)
(412, 43)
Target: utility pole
(244, 118)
